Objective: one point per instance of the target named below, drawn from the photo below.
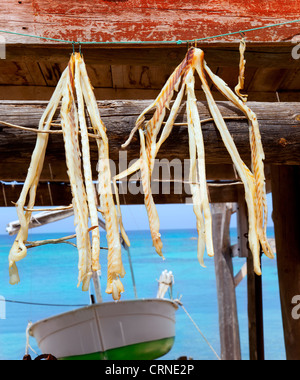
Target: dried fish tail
(195, 126)
(149, 202)
(243, 171)
(115, 265)
(257, 158)
(88, 178)
(19, 250)
(69, 118)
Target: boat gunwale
(97, 305)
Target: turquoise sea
(49, 276)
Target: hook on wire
(242, 34)
(79, 44)
(192, 44)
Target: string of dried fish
(19, 250)
(254, 182)
(115, 265)
(75, 92)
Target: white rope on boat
(27, 340)
(198, 329)
(165, 281)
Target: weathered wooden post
(228, 318)
(254, 286)
(286, 217)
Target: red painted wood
(148, 20)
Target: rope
(27, 340)
(40, 304)
(178, 42)
(197, 328)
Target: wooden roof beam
(279, 126)
(59, 194)
(275, 55)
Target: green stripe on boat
(140, 351)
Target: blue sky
(134, 218)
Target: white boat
(126, 330)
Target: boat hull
(125, 330)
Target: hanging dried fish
(70, 127)
(115, 265)
(257, 158)
(241, 81)
(19, 250)
(254, 181)
(75, 92)
(150, 147)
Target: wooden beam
(59, 194)
(146, 20)
(54, 171)
(254, 286)
(43, 93)
(275, 55)
(279, 125)
(286, 211)
(255, 313)
(228, 318)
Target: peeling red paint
(151, 20)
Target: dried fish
(254, 181)
(76, 93)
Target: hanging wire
(42, 304)
(178, 301)
(178, 42)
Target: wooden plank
(242, 227)
(267, 79)
(287, 96)
(291, 81)
(100, 75)
(286, 211)
(279, 125)
(43, 93)
(228, 318)
(57, 171)
(32, 93)
(51, 72)
(59, 194)
(230, 76)
(275, 55)
(146, 20)
(14, 72)
(255, 313)
(134, 76)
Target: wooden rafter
(279, 125)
